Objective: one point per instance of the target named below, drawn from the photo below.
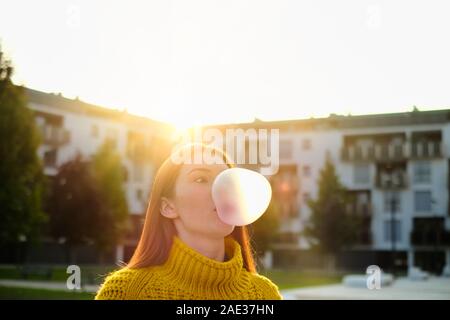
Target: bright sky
(195, 62)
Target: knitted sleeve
(115, 286)
(268, 289)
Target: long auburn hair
(158, 232)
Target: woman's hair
(158, 232)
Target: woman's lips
(227, 209)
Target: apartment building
(70, 126)
(396, 166)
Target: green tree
(22, 183)
(109, 173)
(331, 225)
(265, 229)
(75, 205)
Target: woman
(185, 250)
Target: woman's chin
(224, 228)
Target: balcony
(395, 181)
(426, 150)
(372, 153)
(365, 233)
(360, 209)
(50, 158)
(54, 136)
(138, 153)
(392, 152)
(430, 238)
(430, 232)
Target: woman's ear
(167, 208)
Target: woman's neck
(213, 248)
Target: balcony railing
(426, 149)
(364, 210)
(392, 152)
(392, 181)
(430, 238)
(54, 136)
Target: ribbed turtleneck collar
(192, 270)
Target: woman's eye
(200, 180)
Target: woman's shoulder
(122, 283)
(269, 289)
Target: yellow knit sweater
(189, 275)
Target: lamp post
(436, 233)
(393, 183)
(393, 232)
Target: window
(288, 209)
(422, 172)
(139, 194)
(285, 190)
(94, 131)
(361, 173)
(138, 172)
(306, 197)
(306, 171)
(285, 149)
(40, 121)
(112, 133)
(306, 144)
(50, 158)
(125, 174)
(422, 201)
(397, 232)
(392, 201)
(112, 136)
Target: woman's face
(192, 202)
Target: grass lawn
(285, 279)
(13, 293)
(290, 279)
(89, 274)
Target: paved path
(402, 288)
(433, 288)
(49, 285)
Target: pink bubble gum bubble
(241, 196)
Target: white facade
(304, 147)
(308, 152)
(68, 131)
